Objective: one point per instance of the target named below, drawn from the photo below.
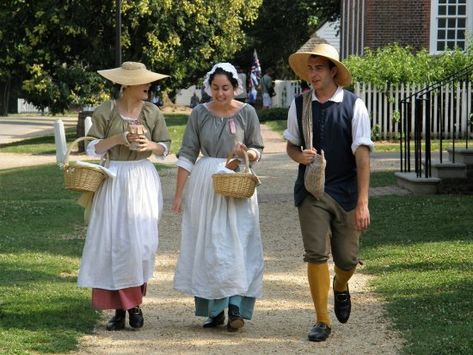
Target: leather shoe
(136, 317)
(117, 322)
(342, 304)
(235, 320)
(319, 332)
(213, 322)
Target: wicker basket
(81, 178)
(237, 185)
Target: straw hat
(298, 62)
(131, 73)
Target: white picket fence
(456, 100)
(24, 106)
(450, 108)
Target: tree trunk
(4, 96)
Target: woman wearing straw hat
(331, 223)
(221, 256)
(122, 236)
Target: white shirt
(361, 130)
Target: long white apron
(122, 237)
(221, 250)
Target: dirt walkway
(282, 317)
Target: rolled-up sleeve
(291, 134)
(361, 127)
(97, 130)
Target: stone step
(462, 155)
(448, 170)
(417, 185)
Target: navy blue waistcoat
(332, 132)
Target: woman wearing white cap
(221, 257)
(122, 236)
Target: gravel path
(285, 313)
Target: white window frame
(434, 28)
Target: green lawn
(45, 145)
(42, 234)
(420, 251)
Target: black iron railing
(452, 101)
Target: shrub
(272, 114)
(395, 64)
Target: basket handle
(246, 158)
(69, 149)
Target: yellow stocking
(319, 281)
(341, 278)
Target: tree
(54, 51)
(283, 27)
(47, 50)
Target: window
(450, 24)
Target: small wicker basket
(81, 178)
(237, 185)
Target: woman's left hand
(238, 150)
(144, 144)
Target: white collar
(336, 97)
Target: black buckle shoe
(117, 322)
(213, 322)
(136, 317)
(342, 304)
(319, 332)
(235, 320)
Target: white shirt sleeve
(90, 150)
(361, 128)
(165, 153)
(292, 132)
(185, 164)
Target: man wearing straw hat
(333, 221)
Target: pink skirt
(125, 298)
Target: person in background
(333, 223)
(122, 236)
(156, 97)
(252, 89)
(204, 97)
(267, 86)
(221, 253)
(242, 96)
(194, 100)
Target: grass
(382, 178)
(176, 124)
(45, 145)
(42, 234)
(420, 250)
(37, 145)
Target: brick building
(436, 25)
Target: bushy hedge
(395, 64)
(272, 114)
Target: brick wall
(406, 22)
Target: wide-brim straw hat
(131, 73)
(298, 62)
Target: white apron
(221, 250)
(122, 236)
